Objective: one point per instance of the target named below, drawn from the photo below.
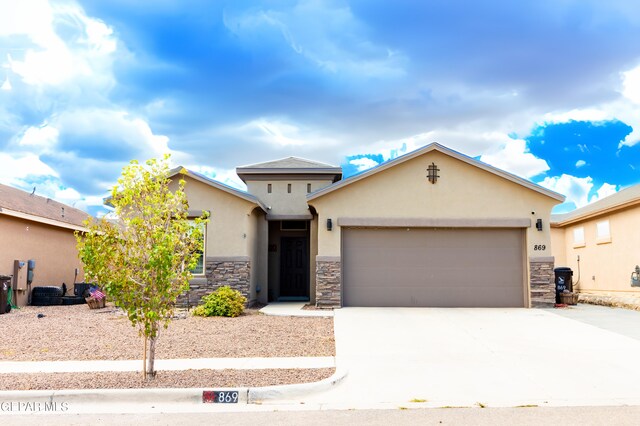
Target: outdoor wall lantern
(329, 225)
(539, 224)
(432, 173)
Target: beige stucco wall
(463, 191)
(558, 248)
(280, 200)
(604, 266)
(231, 224)
(53, 249)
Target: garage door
(458, 267)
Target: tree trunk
(144, 359)
(151, 373)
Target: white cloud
(631, 85)
(278, 133)
(317, 32)
(14, 168)
(226, 176)
(605, 190)
(43, 136)
(574, 188)
(577, 189)
(364, 163)
(6, 86)
(53, 61)
(580, 163)
(514, 158)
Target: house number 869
(539, 247)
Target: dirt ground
(79, 333)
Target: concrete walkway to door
(475, 357)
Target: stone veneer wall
(328, 282)
(542, 279)
(234, 272)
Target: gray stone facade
(328, 283)
(543, 290)
(234, 272)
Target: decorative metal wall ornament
(432, 173)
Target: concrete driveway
(475, 357)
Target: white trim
(428, 222)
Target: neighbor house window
(289, 188)
(603, 233)
(269, 188)
(199, 268)
(578, 237)
(308, 188)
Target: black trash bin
(5, 284)
(563, 280)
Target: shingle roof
(289, 163)
(620, 199)
(35, 205)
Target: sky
(546, 89)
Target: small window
(199, 268)
(289, 188)
(269, 188)
(308, 188)
(603, 233)
(293, 225)
(578, 237)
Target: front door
(294, 267)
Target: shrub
(224, 302)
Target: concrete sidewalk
(7, 367)
(294, 309)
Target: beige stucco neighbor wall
(53, 249)
(462, 192)
(605, 265)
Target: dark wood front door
(294, 267)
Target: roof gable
(218, 185)
(444, 150)
(36, 206)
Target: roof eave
(592, 215)
(219, 185)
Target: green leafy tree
(143, 260)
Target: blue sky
(546, 89)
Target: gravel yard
(79, 333)
(164, 379)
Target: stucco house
(600, 242)
(40, 229)
(431, 228)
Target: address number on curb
(220, 397)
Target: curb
(194, 396)
(284, 392)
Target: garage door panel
(433, 267)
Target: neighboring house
(431, 228)
(600, 242)
(40, 229)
